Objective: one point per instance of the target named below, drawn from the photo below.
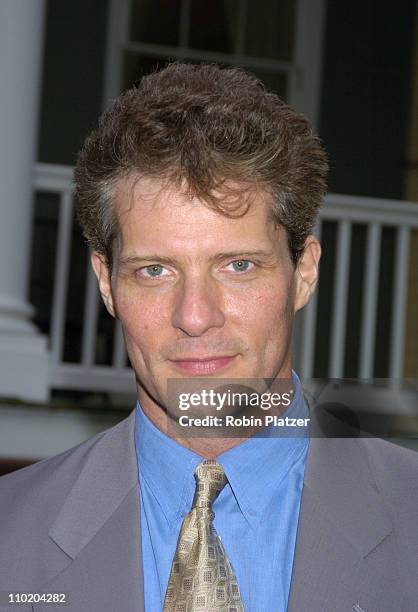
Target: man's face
(201, 294)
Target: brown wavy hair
(208, 128)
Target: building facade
(351, 68)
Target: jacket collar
(108, 474)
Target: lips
(203, 366)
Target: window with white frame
(279, 40)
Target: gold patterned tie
(201, 576)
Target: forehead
(153, 213)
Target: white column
(23, 351)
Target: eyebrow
(134, 259)
(260, 254)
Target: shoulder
(41, 488)
(394, 468)
(32, 500)
(392, 473)
(389, 467)
(385, 464)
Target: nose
(198, 307)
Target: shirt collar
(254, 468)
(166, 466)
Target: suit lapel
(98, 530)
(343, 555)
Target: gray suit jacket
(71, 524)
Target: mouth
(203, 366)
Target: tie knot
(210, 480)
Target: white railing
(375, 213)
(85, 375)
(344, 210)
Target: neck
(208, 447)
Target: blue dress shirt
(256, 514)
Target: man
(197, 194)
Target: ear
(306, 272)
(101, 270)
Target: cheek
(266, 307)
(142, 319)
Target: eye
(241, 265)
(154, 271)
